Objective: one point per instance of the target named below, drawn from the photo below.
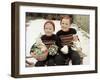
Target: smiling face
(65, 24)
(48, 29)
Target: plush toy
(53, 50)
(64, 49)
(39, 50)
(77, 47)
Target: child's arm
(76, 41)
(58, 42)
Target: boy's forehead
(65, 20)
(49, 23)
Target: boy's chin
(65, 30)
(48, 34)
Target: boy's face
(48, 29)
(65, 24)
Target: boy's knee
(39, 63)
(75, 55)
(75, 58)
(59, 60)
(51, 62)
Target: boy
(66, 36)
(50, 40)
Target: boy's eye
(46, 28)
(65, 23)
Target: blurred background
(81, 20)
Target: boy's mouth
(65, 29)
(48, 33)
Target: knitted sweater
(66, 38)
(50, 40)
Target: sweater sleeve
(73, 31)
(58, 42)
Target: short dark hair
(51, 22)
(70, 17)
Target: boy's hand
(75, 38)
(64, 49)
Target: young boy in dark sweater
(66, 36)
(51, 42)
